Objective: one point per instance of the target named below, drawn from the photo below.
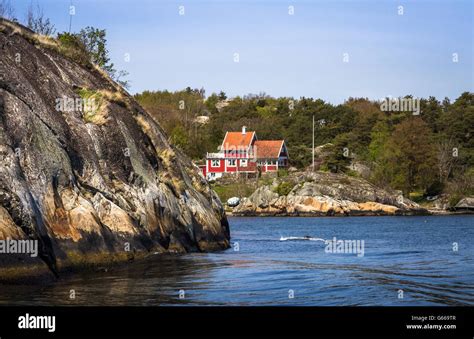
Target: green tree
(431, 110)
(379, 136)
(456, 124)
(95, 42)
(409, 159)
(211, 102)
(179, 137)
(222, 95)
(340, 153)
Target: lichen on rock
(324, 194)
(86, 183)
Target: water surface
(411, 254)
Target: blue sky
(281, 54)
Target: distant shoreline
(314, 215)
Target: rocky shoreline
(325, 194)
(90, 186)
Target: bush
(416, 196)
(72, 47)
(282, 173)
(300, 156)
(352, 173)
(265, 180)
(284, 188)
(95, 113)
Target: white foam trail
(301, 238)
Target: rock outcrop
(465, 204)
(325, 194)
(89, 182)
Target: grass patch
(94, 106)
(417, 196)
(282, 173)
(238, 189)
(352, 173)
(265, 180)
(71, 47)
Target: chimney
(243, 130)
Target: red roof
(237, 140)
(268, 149)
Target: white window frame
(218, 163)
(243, 162)
(230, 161)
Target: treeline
(429, 152)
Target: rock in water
(84, 170)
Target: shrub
(282, 173)
(72, 47)
(284, 188)
(96, 113)
(352, 173)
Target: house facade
(242, 152)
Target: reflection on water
(413, 254)
(154, 281)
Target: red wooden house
(242, 152)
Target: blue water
(413, 256)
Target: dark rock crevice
(72, 187)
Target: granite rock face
(466, 204)
(90, 182)
(325, 194)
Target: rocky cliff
(84, 170)
(324, 194)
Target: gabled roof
(237, 140)
(268, 149)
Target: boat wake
(307, 237)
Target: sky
(330, 50)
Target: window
(231, 162)
(243, 162)
(215, 163)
